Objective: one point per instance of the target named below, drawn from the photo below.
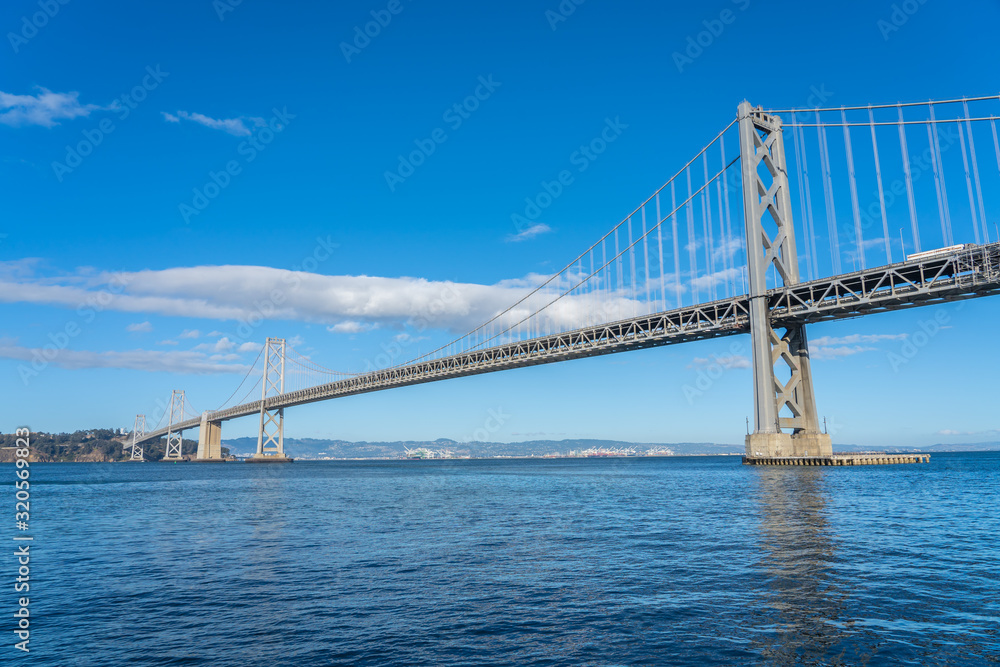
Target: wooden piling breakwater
(836, 460)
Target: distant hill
(342, 449)
(974, 447)
(99, 445)
(311, 448)
(968, 447)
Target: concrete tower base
(771, 445)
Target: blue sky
(229, 145)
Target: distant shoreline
(515, 458)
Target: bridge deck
(965, 274)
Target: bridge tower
(175, 439)
(271, 437)
(783, 386)
(138, 431)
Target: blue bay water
(666, 561)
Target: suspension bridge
(679, 269)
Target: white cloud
(350, 327)
(190, 333)
(249, 347)
(189, 363)
(234, 126)
(45, 108)
(167, 342)
(243, 294)
(139, 327)
(531, 232)
(728, 361)
(718, 278)
(221, 345)
(855, 339)
(726, 247)
(408, 339)
(837, 347)
(820, 352)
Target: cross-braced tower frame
(783, 387)
(271, 437)
(175, 438)
(138, 430)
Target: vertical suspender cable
(592, 284)
(725, 194)
(706, 217)
(645, 253)
(809, 206)
(855, 208)
(996, 144)
(975, 173)
(692, 246)
(618, 274)
(937, 187)
(968, 183)
(659, 241)
(631, 263)
(881, 192)
(939, 167)
(677, 252)
(724, 242)
(607, 279)
(800, 171)
(914, 226)
(831, 209)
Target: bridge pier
(209, 440)
(783, 386)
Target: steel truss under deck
(965, 274)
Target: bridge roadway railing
(964, 274)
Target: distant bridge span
(967, 274)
